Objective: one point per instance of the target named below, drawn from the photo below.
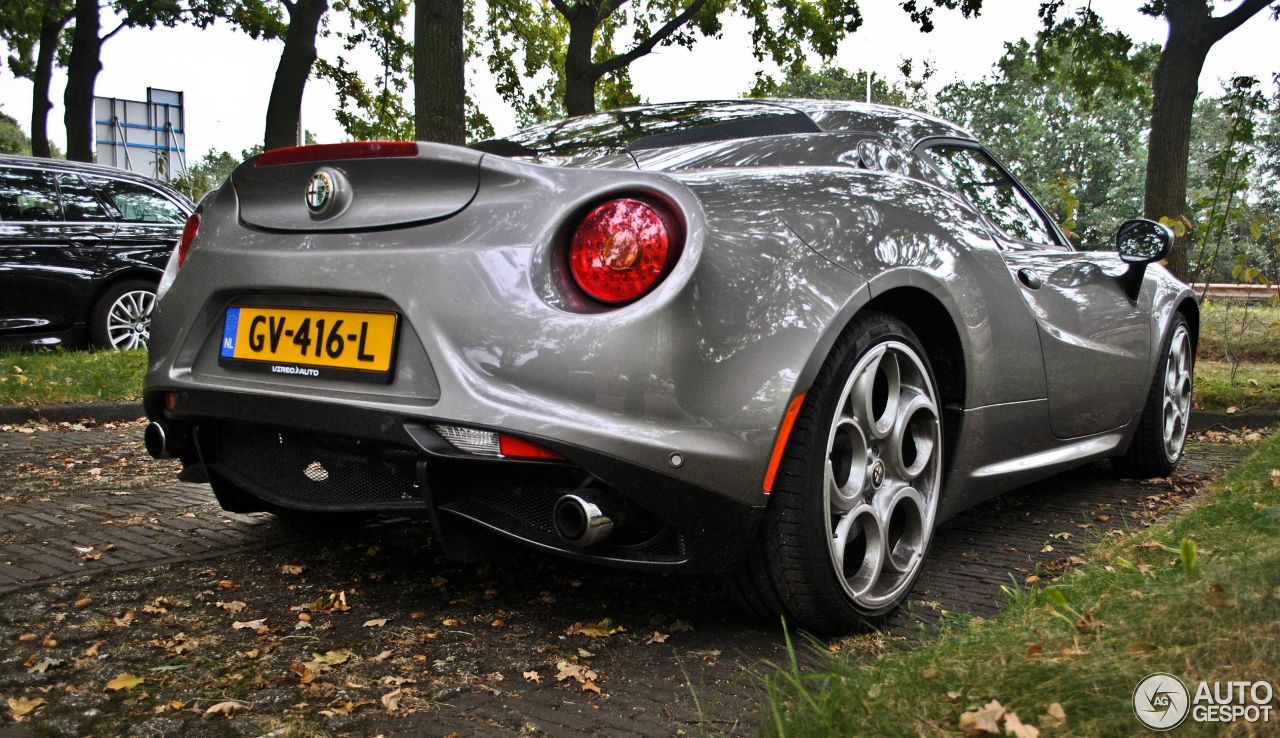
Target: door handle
(1029, 279)
(86, 239)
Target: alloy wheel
(1176, 407)
(882, 474)
(129, 319)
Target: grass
(46, 378)
(1197, 596)
(1229, 331)
(1256, 385)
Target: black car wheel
(852, 511)
(121, 318)
(1158, 443)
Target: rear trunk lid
(356, 186)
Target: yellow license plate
(309, 343)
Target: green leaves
(1187, 556)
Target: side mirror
(1142, 241)
(1139, 243)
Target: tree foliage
(372, 110)
(12, 139)
(573, 56)
(1082, 153)
(832, 82)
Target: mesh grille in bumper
(318, 471)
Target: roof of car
(908, 126)
(62, 165)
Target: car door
(1095, 340)
(38, 283)
(149, 221)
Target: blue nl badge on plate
(229, 329)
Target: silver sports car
(780, 340)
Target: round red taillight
(188, 235)
(621, 250)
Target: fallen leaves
(225, 709)
(657, 637)
(1087, 623)
(985, 720)
(258, 626)
(124, 682)
(1055, 717)
(308, 672)
(21, 708)
(988, 720)
(344, 707)
(602, 629)
(391, 700)
(580, 673)
(292, 570)
(44, 664)
(532, 676)
(232, 607)
(375, 623)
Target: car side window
(79, 203)
(28, 195)
(976, 176)
(137, 203)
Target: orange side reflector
(780, 445)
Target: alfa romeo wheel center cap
(877, 473)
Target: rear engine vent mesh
(317, 471)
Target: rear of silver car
(369, 329)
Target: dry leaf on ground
(602, 629)
(984, 721)
(1016, 728)
(1055, 717)
(21, 708)
(226, 709)
(124, 681)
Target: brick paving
(163, 526)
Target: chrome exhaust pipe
(580, 520)
(162, 440)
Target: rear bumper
(308, 455)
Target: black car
(82, 248)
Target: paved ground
(108, 567)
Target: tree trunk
(439, 77)
(580, 74)
(284, 109)
(82, 75)
(1173, 101)
(50, 33)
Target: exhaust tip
(156, 441)
(580, 521)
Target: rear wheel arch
(935, 327)
(110, 281)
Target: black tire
(789, 572)
(99, 317)
(1148, 455)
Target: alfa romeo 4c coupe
(780, 340)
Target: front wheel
(853, 507)
(1158, 443)
(121, 319)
